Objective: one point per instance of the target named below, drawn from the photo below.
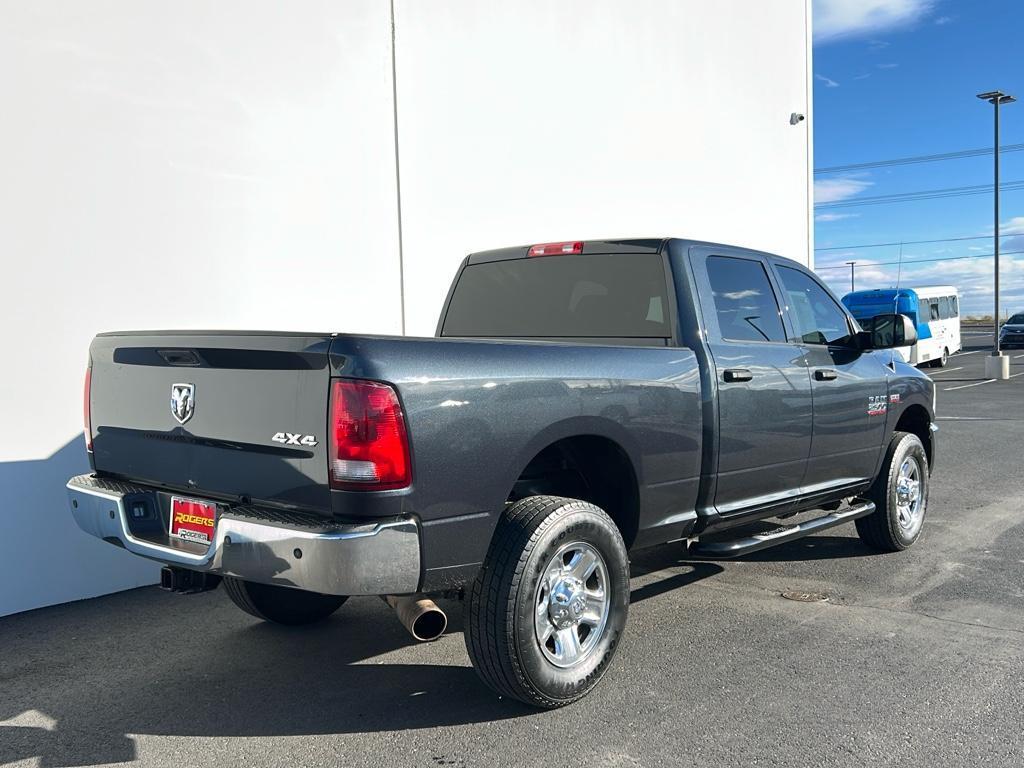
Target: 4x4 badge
(293, 438)
(183, 401)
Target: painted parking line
(1017, 357)
(972, 352)
(965, 386)
(974, 418)
(946, 370)
(979, 383)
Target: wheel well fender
(591, 458)
(915, 419)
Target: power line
(913, 242)
(927, 194)
(918, 159)
(907, 263)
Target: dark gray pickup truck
(580, 400)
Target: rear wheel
(548, 608)
(900, 494)
(281, 605)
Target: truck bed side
(473, 432)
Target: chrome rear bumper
(380, 557)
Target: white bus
(934, 309)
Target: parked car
(580, 400)
(1012, 332)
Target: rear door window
(744, 300)
(583, 296)
(933, 309)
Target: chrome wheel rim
(909, 504)
(571, 604)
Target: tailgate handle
(179, 357)
(737, 374)
(825, 374)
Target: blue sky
(898, 78)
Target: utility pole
(997, 366)
(853, 283)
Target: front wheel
(281, 605)
(548, 608)
(900, 494)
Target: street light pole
(999, 367)
(853, 285)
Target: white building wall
(537, 121)
(233, 165)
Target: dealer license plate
(192, 519)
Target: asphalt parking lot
(915, 658)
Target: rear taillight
(555, 249)
(369, 447)
(86, 410)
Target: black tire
(501, 634)
(942, 361)
(883, 529)
(281, 605)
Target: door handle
(737, 374)
(825, 374)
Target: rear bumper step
(380, 557)
(719, 549)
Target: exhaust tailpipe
(420, 615)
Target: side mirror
(890, 331)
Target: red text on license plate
(192, 520)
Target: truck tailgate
(231, 414)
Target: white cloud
(865, 76)
(835, 19)
(835, 216)
(1014, 226)
(972, 277)
(943, 20)
(887, 66)
(841, 188)
(828, 81)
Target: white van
(935, 310)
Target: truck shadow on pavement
(81, 680)
(144, 663)
(818, 547)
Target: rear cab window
(600, 297)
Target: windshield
(1016, 320)
(867, 311)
